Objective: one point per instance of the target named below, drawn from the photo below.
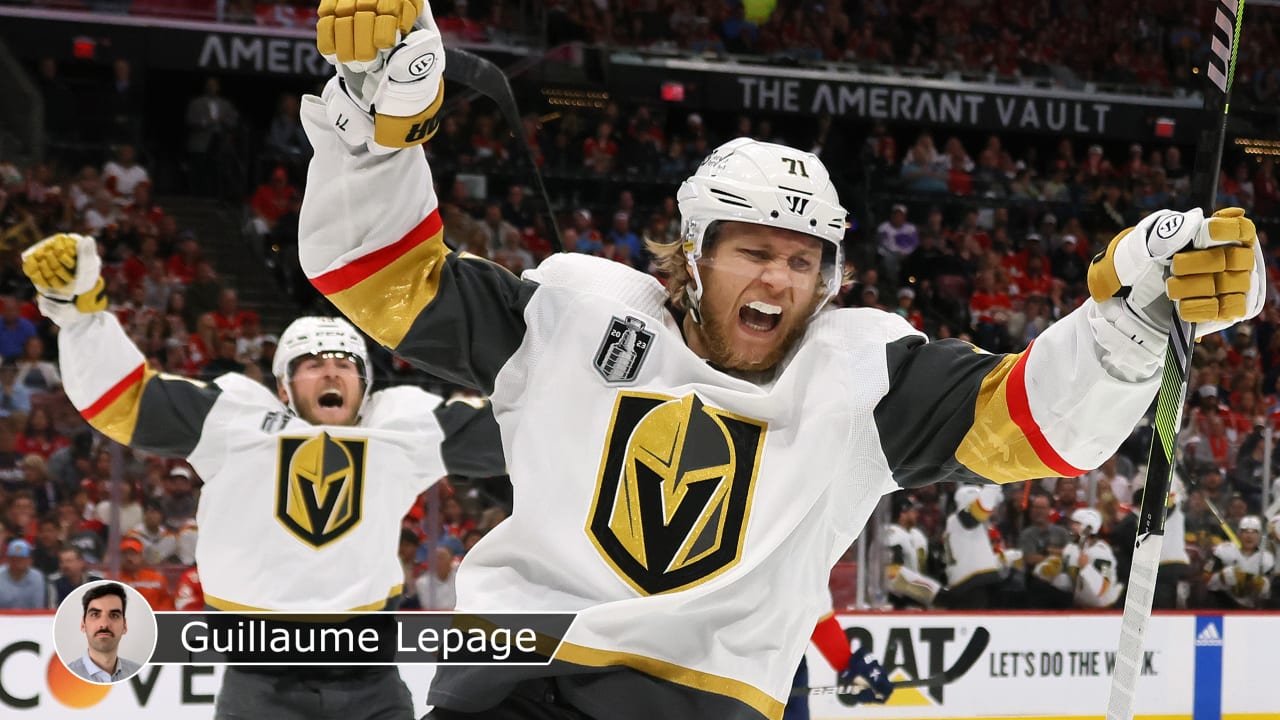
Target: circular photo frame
(104, 632)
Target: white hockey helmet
(745, 180)
(1090, 521)
(1251, 522)
(319, 336)
(966, 494)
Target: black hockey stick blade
(481, 75)
(977, 645)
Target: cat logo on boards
(674, 491)
(320, 486)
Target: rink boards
(1036, 665)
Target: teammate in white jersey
(1092, 563)
(973, 567)
(1239, 576)
(690, 460)
(304, 488)
(909, 586)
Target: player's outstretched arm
(371, 237)
(1063, 406)
(104, 374)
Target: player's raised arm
(1064, 405)
(104, 374)
(371, 235)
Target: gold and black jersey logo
(674, 491)
(320, 487)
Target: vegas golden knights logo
(320, 487)
(674, 490)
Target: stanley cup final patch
(623, 350)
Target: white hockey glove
(390, 81)
(67, 273)
(1210, 269)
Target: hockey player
(304, 488)
(909, 586)
(1239, 576)
(973, 567)
(1091, 562)
(689, 460)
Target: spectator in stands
(103, 215)
(11, 475)
(130, 508)
(626, 242)
(180, 497)
(34, 372)
(149, 583)
(1066, 500)
(44, 491)
(159, 544)
(123, 175)
(285, 137)
(271, 201)
(15, 399)
(513, 255)
(896, 239)
(189, 596)
(48, 542)
(72, 573)
(923, 169)
(600, 151)
(22, 587)
(211, 119)
(15, 330)
(182, 264)
(226, 360)
(437, 586)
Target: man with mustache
(303, 488)
(690, 460)
(104, 626)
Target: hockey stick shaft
(488, 79)
(1173, 384)
(977, 645)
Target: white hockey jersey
(291, 516)
(1096, 584)
(1243, 577)
(663, 500)
(910, 547)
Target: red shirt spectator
(271, 200)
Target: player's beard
(715, 338)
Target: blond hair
(673, 265)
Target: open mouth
(760, 316)
(330, 399)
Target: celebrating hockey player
(690, 460)
(909, 586)
(1091, 562)
(304, 488)
(1239, 577)
(973, 567)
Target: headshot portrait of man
(103, 624)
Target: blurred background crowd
(981, 236)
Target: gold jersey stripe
(115, 414)
(996, 447)
(385, 291)
(755, 698)
(218, 603)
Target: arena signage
(754, 88)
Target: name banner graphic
(381, 638)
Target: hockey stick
(1222, 522)
(488, 79)
(1173, 383)
(977, 644)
